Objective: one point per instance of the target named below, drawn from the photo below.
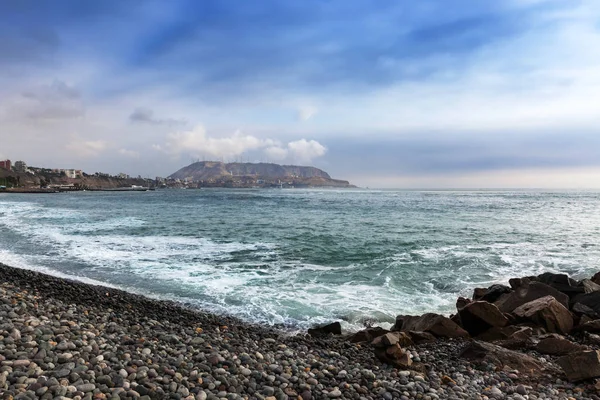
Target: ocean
(295, 258)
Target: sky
(393, 93)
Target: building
(20, 166)
(72, 173)
(123, 176)
(5, 164)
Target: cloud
(306, 112)
(197, 142)
(86, 148)
(56, 101)
(299, 151)
(129, 153)
(306, 150)
(146, 116)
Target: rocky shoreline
(64, 339)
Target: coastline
(67, 339)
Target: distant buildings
(123, 176)
(5, 164)
(20, 166)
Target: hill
(215, 173)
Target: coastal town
(19, 177)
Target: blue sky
(434, 93)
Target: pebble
(89, 346)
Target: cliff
(214, 173)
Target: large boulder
(490, 294)
(548, 313)
(479, 352)
(592, 300)
(581, 365)
(557, 345)
(334, 328)
(421, 337)
(480, 316)
(562, 283)
(436, 324)
(529, 292)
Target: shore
(65, 339)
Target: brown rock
(590, 286)
(557, 345)
(367, 335)
(580, 366)
(393, 355)
(436, 324)
(596, 278)
(548, 313)
(461, 302)
(529, 292)
(503, 358)
(497, 333)
(480, 316)
(562, 283)
(421, 337)
(591, 326)
(393, 338)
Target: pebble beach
(64, 339)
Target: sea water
(300, 257)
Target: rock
(436, 324)
(562, 283)
(583, 310)
(461, 302)
(580, 366)
(596, 278)
(591, 300)
(335, 393)
(498, 333)
(480, 316)
(490, 294)
(590, 286)
(518, 282)
(324, 330)
(419, 337)
(503, 358)
(558, 346)
(393, 355)
(591, 326)
(529, 292)
(392, 338)
(548, 313)
(86, 387)
(367, 335)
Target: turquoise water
(298, 257)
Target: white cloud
(129, 153)
(306, 112)
(306, 150)
(275, 153)
(299, 151)
(197, 142)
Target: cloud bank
(199, 144)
